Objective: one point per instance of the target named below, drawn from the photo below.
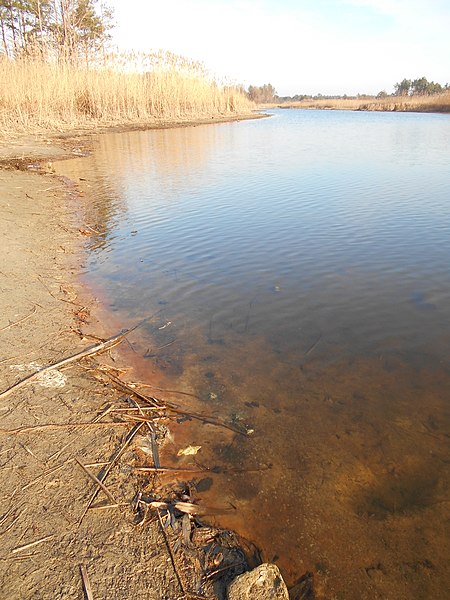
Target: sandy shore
(46, 533)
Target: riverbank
(439, 103)
(55, 534)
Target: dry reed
(123, 89)
(436, 103)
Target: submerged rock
(263, 583)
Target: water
(299, 268)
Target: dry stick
(217, 571)
(124, 387)
(20, 320)
(172, 407)
(169, 470)
(32, 428)
(171, 554)
(152, 387)
(6, 515)
(103, 506)
(140, 409)
(107, 468)
(155, 453)
(311, 348)
(86, 583)
(50, 472)
(97, 481)
(91, 350)
(11, 525)
(107, 410)
(26, 546)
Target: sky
(299, 46)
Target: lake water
(299, 266)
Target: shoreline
(19, 149)
(46, 312)
(400, 105)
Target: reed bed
(38, 94)
(436, 103)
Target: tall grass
(436, 103)
(39, 95)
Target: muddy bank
(51, 524)
(19, 150)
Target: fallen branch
(90, 351)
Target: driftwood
(90, 351)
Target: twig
(32, 428)
(50, 472)
(103, 506)
(311, 348)
(86, 583)
(155, 453)
(20, 320)
(26, 546)
(91, 350)
(168, 470)
(170, 406)
(217, 571)
(107, 468)
(97, 481)
(124, 387)
(11, 525)
(152, 387)
(107, 410)
(141, 408)
(171, 554)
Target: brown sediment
(47, 315)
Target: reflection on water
(302, 263)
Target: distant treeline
(266, 94)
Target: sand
(45, 539)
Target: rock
(263, 583)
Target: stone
(263, 583)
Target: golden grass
(436, 103)
(39, 95)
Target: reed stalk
(38, 94)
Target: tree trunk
(5, 45)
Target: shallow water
(299, 269)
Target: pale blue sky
(300, 46)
